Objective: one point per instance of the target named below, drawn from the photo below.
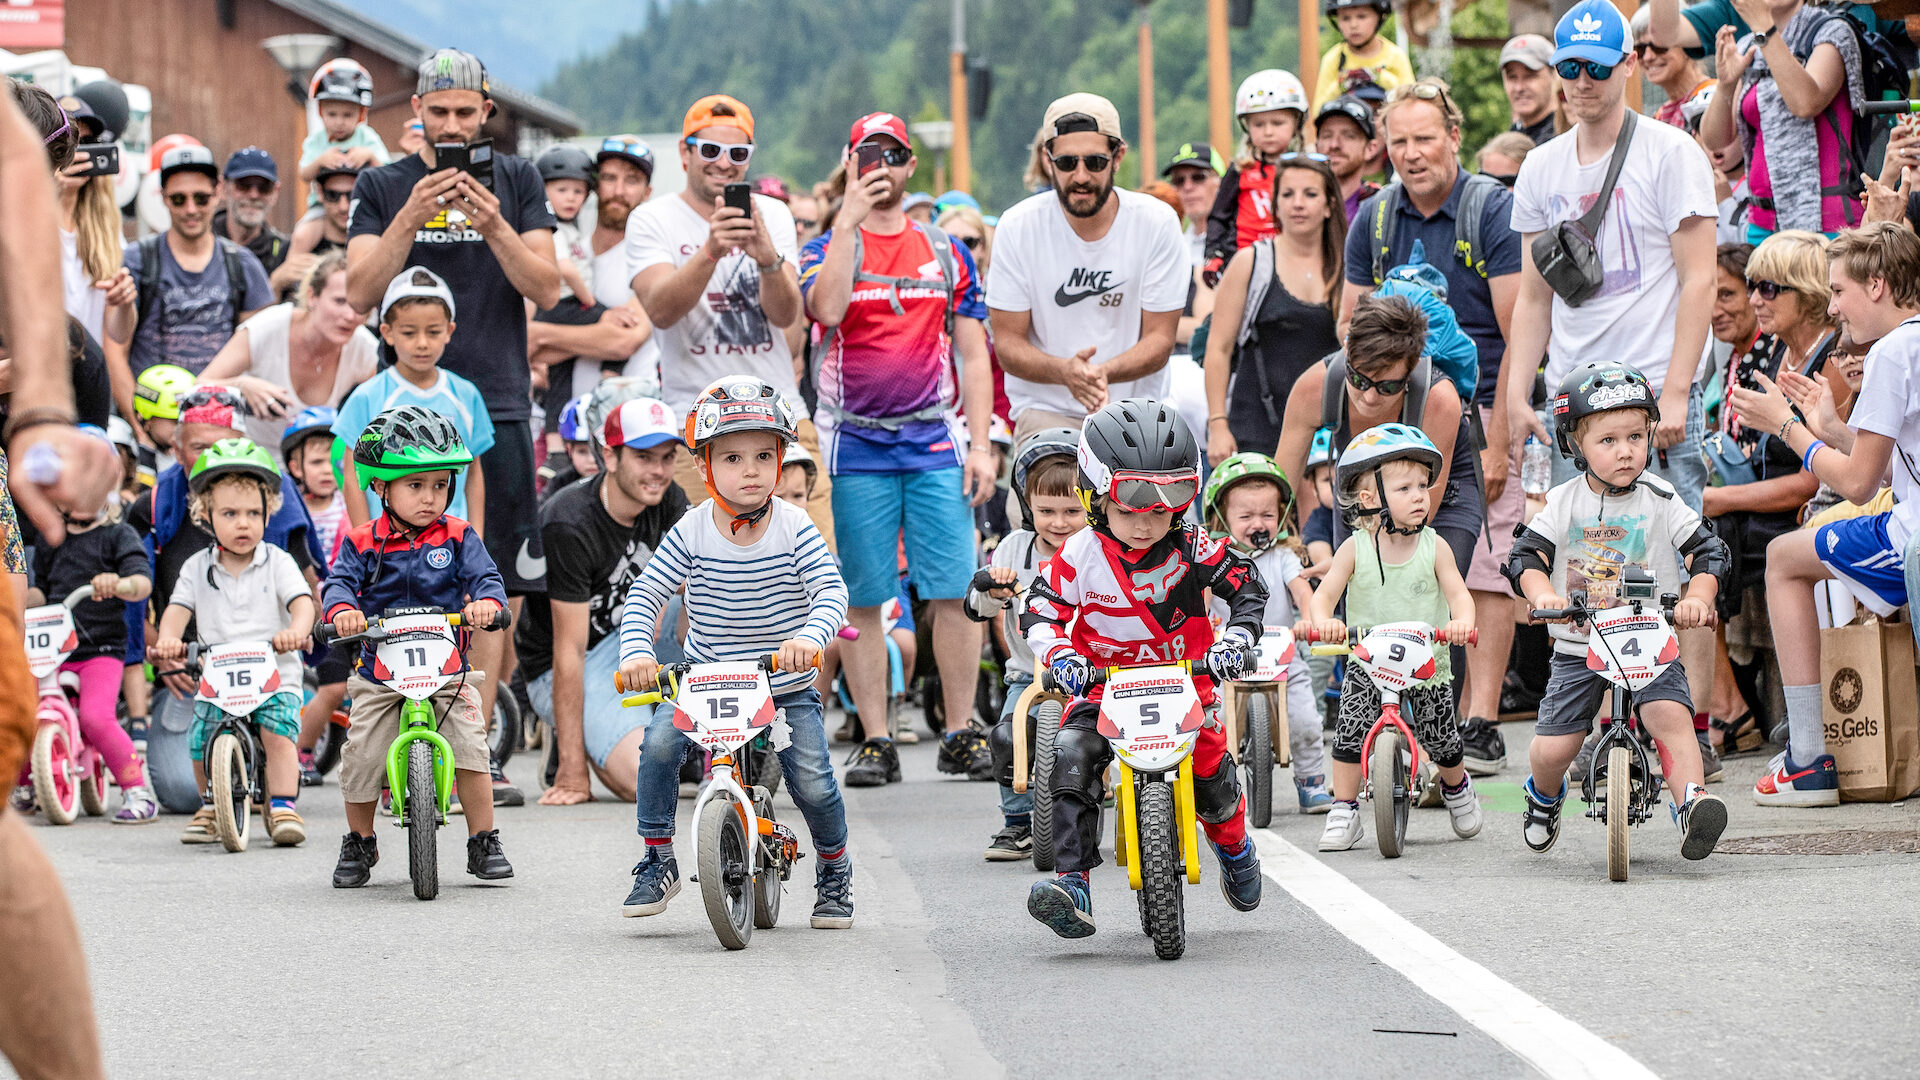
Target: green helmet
(234, 457)
(156, 393)
(1238, 469)
(408, 439)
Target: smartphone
(103, 159)
(740, 197)
(480, 162)
(868, 156)
(449, 155)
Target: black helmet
(564, 163)
(1041, 445)
(349, 84)
(1329, 7)
(109, 104)
(408, 439)
(1596, 387)
(1140, 453)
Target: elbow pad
(1531, 551)
(1705, 553)
(971, 612)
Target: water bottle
(1536, 467)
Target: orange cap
(718, 110)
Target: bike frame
(416, 725)
(1389, 714)
(248, 733)
(723, 782)
(1183, 813)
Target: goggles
(1142, 492)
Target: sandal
(1740, 735)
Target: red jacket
(1242, 210)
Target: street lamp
(299, 55)
(936, 136)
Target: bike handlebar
(323, 633)
(769, 662)
(1356, 632)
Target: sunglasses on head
(1067, 163)
(708, 150)
(1383, 387)
(1426, 91)
(1570, 70)
(1768, 290)
(200, 198)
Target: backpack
(150, 275)
(1884, 63)
(1467, 242)
(950, 281)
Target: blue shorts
(1863, 558)
(871, 510)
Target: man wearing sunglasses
(194, 286)
(1087, 282)
(249, 189)
(315, 236)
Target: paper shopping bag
(1872, 726)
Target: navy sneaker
(1240, 876)
(1065, 904)
(1816, 783)
(1540, 824)
(656, 880)
(833, 901)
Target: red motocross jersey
(1117, 606)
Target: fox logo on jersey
(1155, 585)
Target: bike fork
(724, 783)
(416, 723)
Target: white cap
(416, 282)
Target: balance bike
(1257, 721)
(67, 774)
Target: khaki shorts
(376, 723)
(686, 473)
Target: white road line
(1551, 1043)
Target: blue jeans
(805, 764)
(1686, 465)
(1911, 564)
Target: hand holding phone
(740, 197)
(868, 156)
(103, 159)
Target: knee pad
(1216, 797)
(1000, 741)
(1080, 756)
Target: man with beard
(315, 236)
(1087, 282)
(896, 300)
(1344, 135)
(599, 533)
(251, 187)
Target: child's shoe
(309, 772)
(1314, 796)
(1702, 818)
(358, 856)
(286, 826)
(656, 880)
(1540, 824)
(1065, 904)
(200, 829)
(485, 858)
(833, 903)
(1011, 844)
(137, 806)
(22, 800)
(1240, 876)
(1464, 806)
(1344, 828)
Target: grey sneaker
(833, 908)
(1583, 761)
(1710, 761)
(1011, 844)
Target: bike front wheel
(1390, 781)
(1162, 871)
(423, 821)
(231, 783)
(726, 873)
(1046, 727)
(1619, 810)
(1258, 749)
(54, 783)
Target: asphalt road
(1463, 958)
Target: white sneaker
(1464, 806)
(1344, 828)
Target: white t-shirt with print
(1084, 294)
(1595, 538)
(1889, 404)
(1665, 180)
(726, 333)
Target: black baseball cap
(1350, 107)
(1197, 154)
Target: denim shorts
(877, 508)
(1573, 694)
(278, 715)
(603, 720)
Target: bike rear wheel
(333, 739)
(423, 821)
(54, 784)
(1390, 780)
(1162, 871)
(726, 873)
(1619, 810)
(1258, 749)
(231, 782)
(767, 884)
(1046, 725)
(93, 787)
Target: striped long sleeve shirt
(741, 602)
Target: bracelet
(1216, 416)
(37, 416)
(979, 450)
(1787, 423)
(1806, 459)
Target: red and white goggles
(1141, 492)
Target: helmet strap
(749, 519)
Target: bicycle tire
(1162, 872)
(1046, 726)
(725, 873)
(1619, 810)
(333, 739)
(503, 738)
(1259, 764)
(769, 883)
(232, 787)
(54, 785)
(423, 821)
(1391, 783)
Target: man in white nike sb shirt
(1087, 282)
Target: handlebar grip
(849, 633)
(1881, 108)
(620, 683)
(649, 698)
(502, 619)
(323, 635)
(1328, 650)
(771, 662)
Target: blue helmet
(1372, 449)
(571, 417)
(312, 421)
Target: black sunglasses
(1641, 49)
(896, 156)
(1068, 163)
(331, 195)
(1506, 180)
(1768, 290)
(200, 198)
(973, 242)
(253, 185)
(1570, 70)
(1385, 387)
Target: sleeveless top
(1290, 336)
(1410, 591)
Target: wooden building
(211, 78)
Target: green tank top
(1410, 591)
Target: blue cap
(954, 199)
(1593, 30)
(252, 161)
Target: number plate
(1629, 649)
(1272, 656)
(1397, 655)
(1151, 715)
(419, 658)
(237, 677)
(50, 637)
(723, 706)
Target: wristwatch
(1760, 38)
(779, 259)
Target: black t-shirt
(100, 624)
(591, 559)
(489, 344)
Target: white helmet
(1271, 89)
